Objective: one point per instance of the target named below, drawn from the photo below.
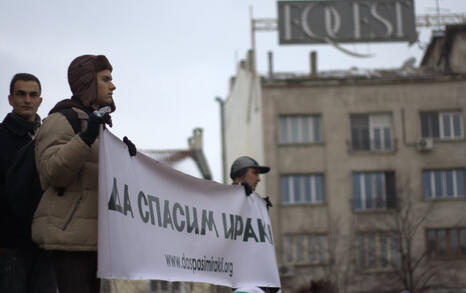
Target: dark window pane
(296, 189)
(294, 129)
(429, 124)
(463, 241)
(460, 182)
(322, 248)
(438, 184)
(365, 144)
(377, 139)
(456, 125)
(316, 125)
(435, 125)
(394, 249)
(311, 249)
(362, 252)
(164, 285)
(442, 242)
(356, 191)
(380, 189)
(289, 248)
(360, 132)
(371, 249)
(449, 181)
(307, 188)
(431, 242)
(305, 121)
(299, 248)
(390, 189)
(355, 139)
(359, 121)
(368, 192)
(285, 189)
(426, 184)
(453, 242)
(426, 124)
(387, 138)
(383, 250)
(446, 125)
(319, 188)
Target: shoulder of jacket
(81, 114)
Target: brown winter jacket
(66, 222)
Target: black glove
(268, 203)
(247, 188)
(131, 147)
(92, 130)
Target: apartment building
(368, 170)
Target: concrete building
(368, 170)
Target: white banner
(158, 223)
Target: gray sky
(170, 58)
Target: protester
(65, 221)
(246, 171)
(23, 266)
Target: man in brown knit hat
(65, 222)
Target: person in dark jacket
(23, 266)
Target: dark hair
(239, 173)
(23, 77)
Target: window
(447, 183)
(306, 248)
(302, 189)
(299, 129)
(446, 242)
(377, 250)
(371, 132)
(443, 125)
(374, 191)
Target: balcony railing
(372, 145)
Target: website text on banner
(158, 223)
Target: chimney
(270, 58)
(313, 63)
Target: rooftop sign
(346, 21)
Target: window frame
(387, 187)
(435, 176)
(314, 133)
(314, 249)
(433, 252)
(315, 187)
(385, 146)
(385, 254)
(440, 119)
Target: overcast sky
(170, 58)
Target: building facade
(368, 171)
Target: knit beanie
(82, 74)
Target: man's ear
(10, 100)
(40, 99)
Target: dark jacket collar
(20, 127)
(70, 103)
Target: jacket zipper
(72, 214)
